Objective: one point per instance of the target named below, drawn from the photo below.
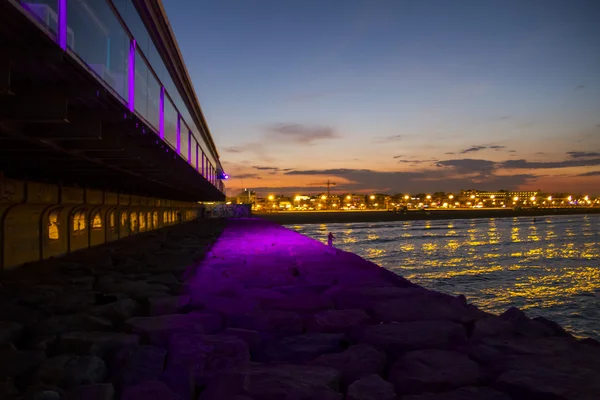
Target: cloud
(550, 164)
(593, 173)
(473, 149)
(387, 139)
(579, 87)
(232, 149)
(432, 160)
(418, 181)
(247, 176)
(399, 156)
(449, 153)
(469, 165)
(265, 168)
(300, 134)
(583, 154)
(307, 96)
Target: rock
(180, 379)
(57, 325)
(142, 363)
(394, 339)
(46, 395)
(14, 363)
(168, 305)
(95, 343)
(159, 330)
(348, 297)
(225, 305)
(68, 371)
(300, 303)
(433, 371)
(303, 348)
(252, 338)
(464, 393)
(354, 363)
(9, 331)
(21, 314)
(421, 308)
(150, 390)
(99, 391)
(207, 354)
(371, 387)
(117, 311)
(275, 382)
(8, 390)
(166, 279)
(275, 322)
(332, 321)
(71, 302)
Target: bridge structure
(101, 132)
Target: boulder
(140, 364)
(433, 371)
(150, 390)
(59, 324)
(9, 331)
(303, 348)
(207, 354)
(421, 308)
(168, 304)
(332, 321)
(464, 393)
(95, 343)
(371, 387)
(348, 296)
(394, 339)
(72, 302)
(275, 322)
(68, 371)
(300, 303)
(277, 382)
(159, 330)
(354, 363)
(117, 311)
(252, 338)
(14, 363)
(99, 391)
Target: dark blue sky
(423, 95)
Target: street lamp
(451, 197)
(271, 197)
(428, 196)
(372, 197)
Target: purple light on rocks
(131, 77)
(161, 114)
(62, 24)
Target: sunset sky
(398, 96)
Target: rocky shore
(255, 311)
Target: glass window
(133, 222)
(147, 92)
(45, 11)
(97, 37)
(96, 221)
(142, 222)
(53, 232)
(170, 123)
(184, 141)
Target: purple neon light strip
(178, 134)
(161, 114)
(131, 77)
(189, 142)
(62, 24)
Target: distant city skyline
(398, 96)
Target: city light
(516, 198)
(451, 197)
(372, 197)
(323, 197)
(406, 197)
(472, 196)
(428, 196)
(348, 197)
(271, 197)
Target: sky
(399, 96)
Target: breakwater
(348, 217)
(267, 314)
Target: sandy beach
(323, 217)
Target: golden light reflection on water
(551, 268)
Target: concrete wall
(38, 221)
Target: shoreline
(246, 308)
(330, 217)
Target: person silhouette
(330, 239)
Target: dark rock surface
(257, 312)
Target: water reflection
(550, 267)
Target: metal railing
(111, 39)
